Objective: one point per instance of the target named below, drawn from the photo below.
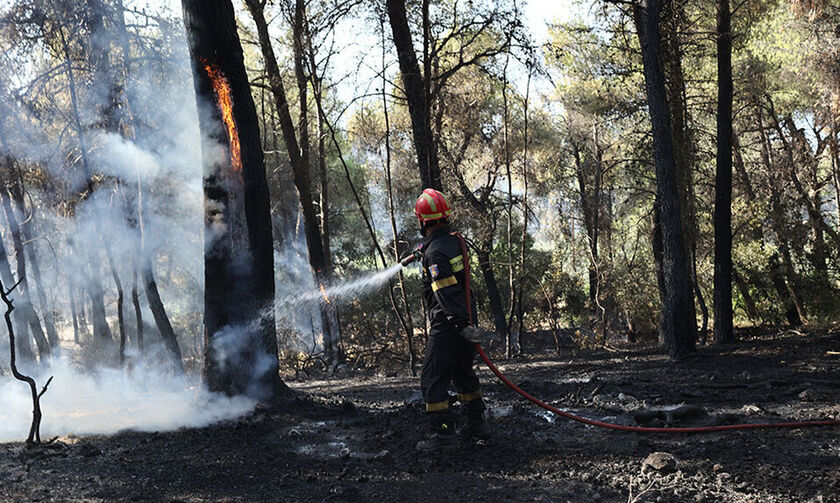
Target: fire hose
(603, 424)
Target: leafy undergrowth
(351, 439)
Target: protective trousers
(448, 358)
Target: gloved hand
(412, 256)
(471, 333)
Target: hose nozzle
(411, 257)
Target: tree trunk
(138, 313)
(96, 292)
(679, 323)
(164, 326)
(519, 296)
(590, 208)
(786, 279)
(300, 167)
(240, 340)
(170, 340)
(22, 344)
(416, 93)
(510, 341)
(412, 358)
(724, 330)
(658, 266)
(749, 303)
(21, 293)
(493, 294)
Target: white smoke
(165, 160)
(143, 398)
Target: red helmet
(431, 205)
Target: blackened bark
(22, 291)
(144, 258)
(784, 276)
(416, 94)
(299, 159)
(481, 206)
(749, 303)
(138, 313)
(493, 295)
(590, 210)
(95, 290)
(108, 107)
(674, 25)
(724, 331)
(21, 343)
(658, 260)
(170, 340)
(241, 343)
(680, 328)
(26, 234)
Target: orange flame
(324, 293)
(225, 102)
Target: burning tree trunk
(241, 342)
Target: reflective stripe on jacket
(443, 283)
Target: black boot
(442, 435)
(476, 427)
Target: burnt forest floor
(352, 438)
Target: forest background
(544, 146)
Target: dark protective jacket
(443, 283)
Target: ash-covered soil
(352, 438)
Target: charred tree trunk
(26, 234)
(590, 209)
(674, 25)
(679, 324)
(109, 107)
(724, 331)
(493, 294)
(34, 437)
(520, 315)
(241, 342)
(95, 290)
(138, 312)
(783, 274)
(21, 343)
(416, 92)
(164, 326)
(412, 357)
(658, 265)
(300, 166)
(23, 297)
(170, 340)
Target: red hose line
(602, 424)
(644, 429)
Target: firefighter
(450, 348)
